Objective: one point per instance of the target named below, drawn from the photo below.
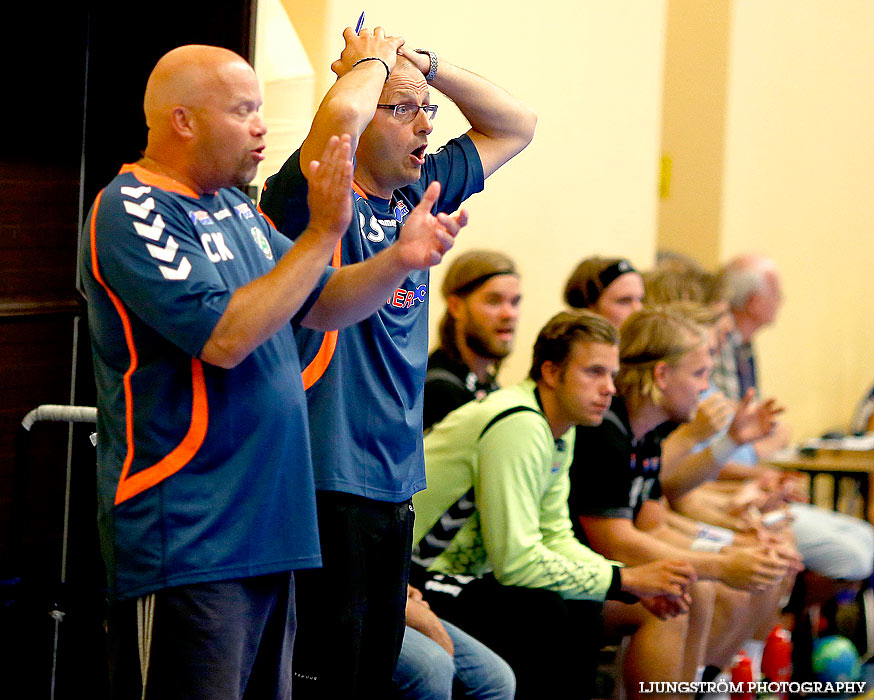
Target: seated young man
(477, 331)
(664, 366)
(492, 528)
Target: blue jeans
(426, 672)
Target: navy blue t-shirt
(203, 473)
(365, 382)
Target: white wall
(287, 82)
(799, 186)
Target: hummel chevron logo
(153, 232)
(180, 273)
(140, 210)
(165, 253)
(135, 192)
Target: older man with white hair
(755, 298)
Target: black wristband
(615, 591)
(375, 58)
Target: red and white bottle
(742, 673)
(777, 658)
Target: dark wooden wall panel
(72, 116)
(39, 210)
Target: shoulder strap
(614, 419)
(507, 412)
(438, 373)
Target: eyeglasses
(407, 112)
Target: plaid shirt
(724, 375)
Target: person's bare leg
(738, 616)
(770, 616)
(731, 625)
(652, 649)
(700, 618)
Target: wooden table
(853, 463)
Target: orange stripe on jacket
(185, 450)
(269, 220)
(320, 362)
(357, 188)
(162, 182)
(319, 365)
(193, 440)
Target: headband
(468, 287)
(617, 269)
(606, 277)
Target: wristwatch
(433, 70)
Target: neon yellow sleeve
(521, 496)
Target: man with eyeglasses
(365, 384)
